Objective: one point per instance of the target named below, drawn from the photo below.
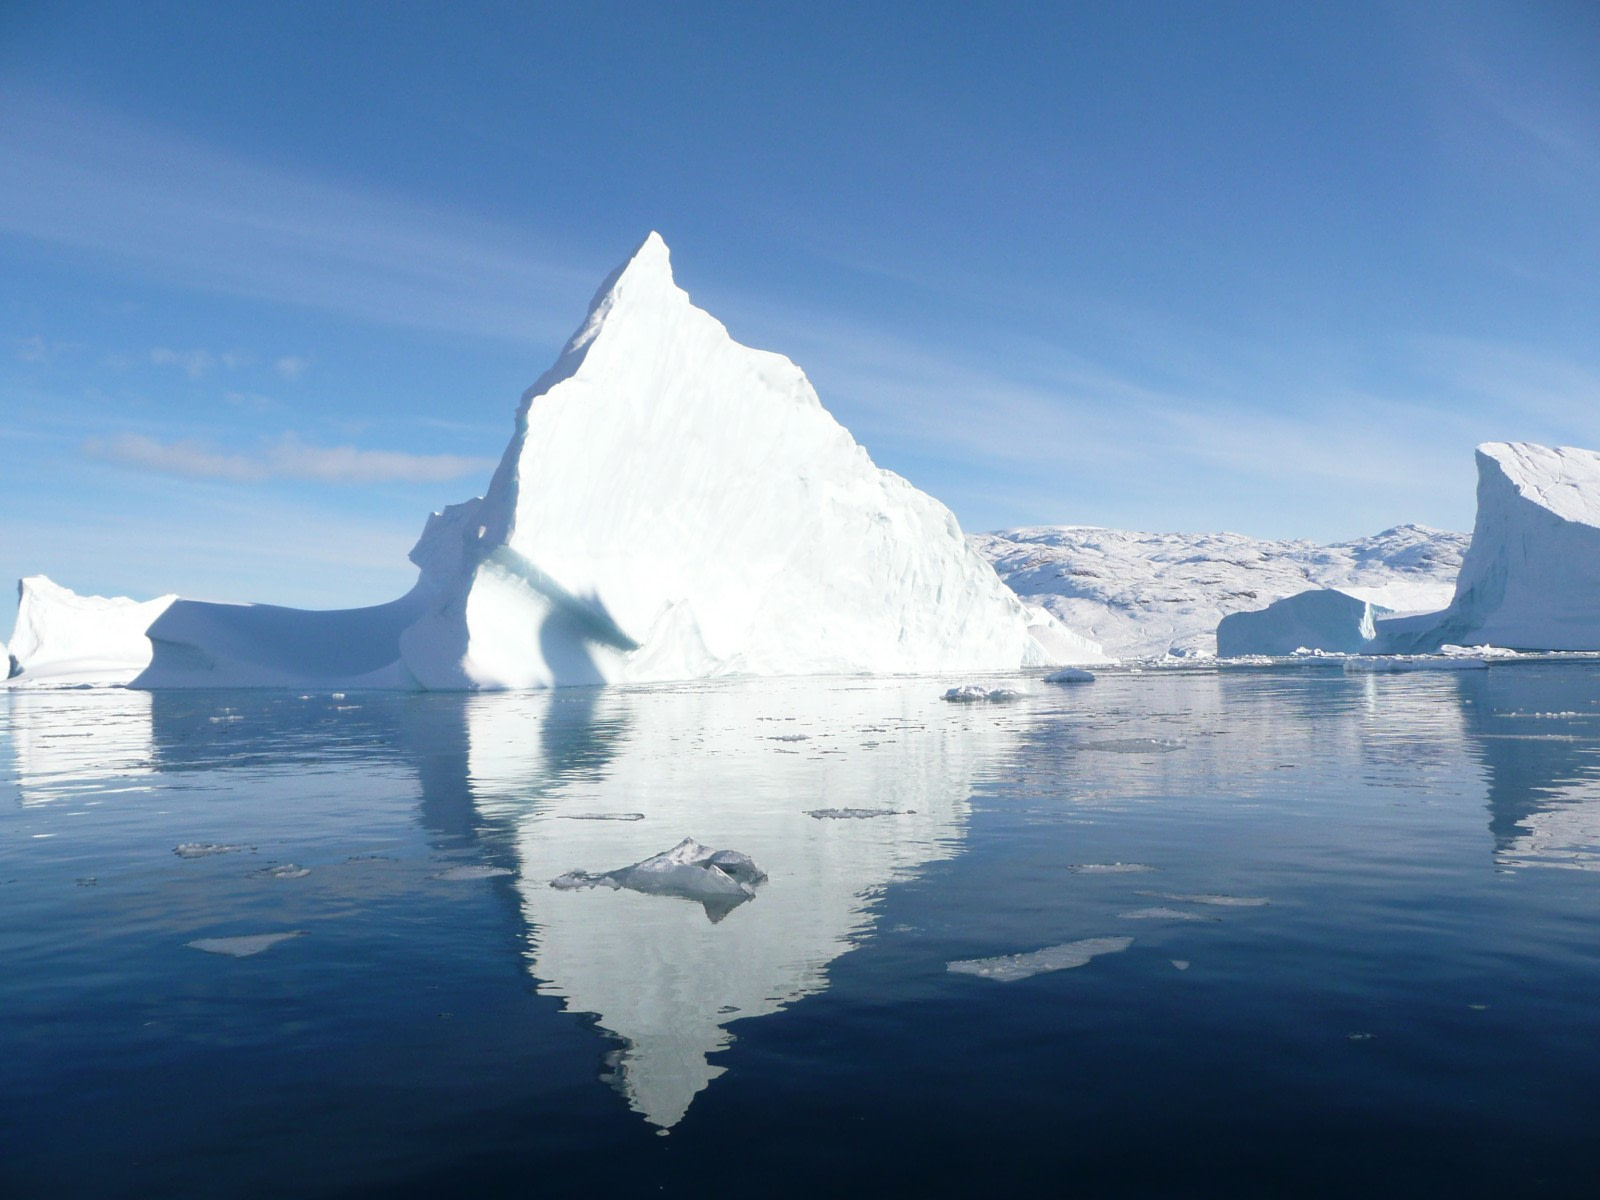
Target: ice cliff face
(672, 505)
(79, 639)
(1531, 578)
(1145, 594)
(675, 505)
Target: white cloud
(205, 219)
(287, 458)
(290, 366)
(194, 363)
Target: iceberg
(1328, 620)
(672, 505)
(66, 638)
(1530, 579)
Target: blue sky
(271, 282)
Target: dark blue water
(1365, 953)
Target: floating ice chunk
(1165, 914)
(1181, 963)
(721, 880)
(1070, 675)
(283, 871)
(1138, 745)
(1009, 967)
(243, 947)
(1114, 868)
(472, 871)
(1210, 898)
(202, 849)
(852, 814)
(601, 816)
(973, 693)
(1485, 651)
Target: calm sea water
(1365, 954)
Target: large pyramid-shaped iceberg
(675, 505)
(672, 505)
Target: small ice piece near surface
(1113, 868)
(472, 871)
(1009, 967)
(973, 693)
(243, 947)
(203, 849)
(1070, 675)
(720, 880)
(856, 814)
(601, 816)
(1219, 900)
(1165, 914)
(1138, 745)
(283, 871)
(1181, 963)
(790, 737)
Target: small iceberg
(720, 880)
(1070, 675)
(1010, 967)
(974, 693)
(243, 947)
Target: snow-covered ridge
(1146, 594)
(672, 505)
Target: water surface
(268, 943)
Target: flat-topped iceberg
(1530, 579)
(672, 505)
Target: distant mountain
(1148, 594)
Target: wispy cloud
(290, 366)
(194, 363)
(205, 219)
(287, 458)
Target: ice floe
(1007, 968)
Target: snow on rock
(1324, 621)
(1148, 594)
(672, 505)
(64, 638)
(1531, 578)
(676, 505)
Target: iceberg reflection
(747, 767)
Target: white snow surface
(64, 638)
(672, 505)
(676, 505)
(1148, 594)
(1531, 578)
